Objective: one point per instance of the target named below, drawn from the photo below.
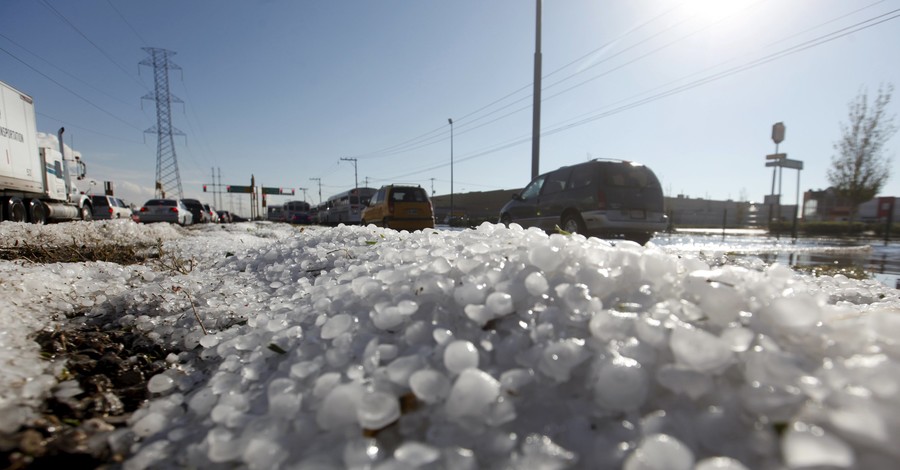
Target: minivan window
(630, 177)
(556, 181)
(581, 179)
(534, 188)
(99, 200)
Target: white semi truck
(37, 171)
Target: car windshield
(630, 177)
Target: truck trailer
(37, 170)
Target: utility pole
(219, 189)
(320, 187)
(355, 178)
(536, 106)
(304, 193)
(432, 187)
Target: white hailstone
(202, 401)
(361, 452)
(429, 385)
(700, 350)
(720, 463)
(536, 283)
(262, 453)
(791, 313)
(560, 357)
(336, 325)
(416, 454)
(499, 303)
(738, 338)
(681, 379)
(721, 303)
(377, 410)
(545, 257)
(209, 341)
(150, 424)
(460, 355)
(284, 398)
(472, 395)
(470, 292)
(400, 369)
(620, 384)
(660, 452)
(160, 383)
(440, 266)
(339, 408)
(386, 317)
(812, 447)
(478, 314)
(222, 447)
(408, 307)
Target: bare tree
(860, 169)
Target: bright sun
(714, 10)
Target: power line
(871, 22)
(105, 54)
(70, 90)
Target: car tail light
(390, 204)
(601, 200)
(173, 209)
(110, 210)
(143, 209)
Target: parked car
(196, 207)
(605, 198)
(212, 213)
(400, 208)
(225, 217)
(166, 210)
(109, 207)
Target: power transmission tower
(167, 177)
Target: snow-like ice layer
(358, 347)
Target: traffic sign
(778, 132)
(776, 156)
(239, 189)
(283, 191)
(787, 163)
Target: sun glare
(714, 10)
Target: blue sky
(285, 89)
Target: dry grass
(75, 252)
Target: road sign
(282, 191)
(776, 156)
(778, 132)
(239, 189)
(787, 163)
(792, 164)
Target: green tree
(860, 168)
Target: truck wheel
(37, 212)
(86, 213)
(17, 212)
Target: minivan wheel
(572, 223)
(505, 219)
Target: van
(400, 208)
(603, 198)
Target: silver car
(108, 207)
(165, 210)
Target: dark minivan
(604, 198)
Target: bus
(346, 207)
(296, 212)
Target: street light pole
(450, 218)
(320, 188)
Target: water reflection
(879, 260)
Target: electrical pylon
(168, 178)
